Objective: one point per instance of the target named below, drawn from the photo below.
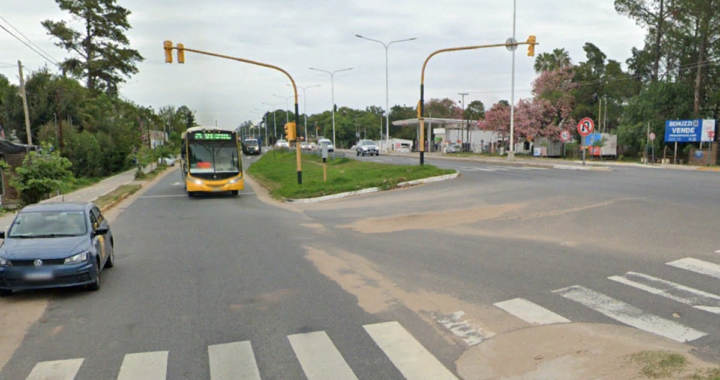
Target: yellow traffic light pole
(168, 46)
(531, 42)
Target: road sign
(565, 136)
(586, 126)
(652, 136)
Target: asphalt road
(391, 285)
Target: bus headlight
(198, 182)
(233, 181)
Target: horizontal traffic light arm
(422, 79)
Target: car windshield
(48, 224)
(214, 157)
(251, 142)
(366, 142)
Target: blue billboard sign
(689, 130)
(591, 138)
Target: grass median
(277, 171)
(120, 192)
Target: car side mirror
(2, 234)
(101, 230)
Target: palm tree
(544, 62)
(562, 58)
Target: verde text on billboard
(688, 130)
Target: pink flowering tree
(497, 119)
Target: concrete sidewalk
(87, 194)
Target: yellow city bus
(211, 161)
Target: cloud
(321, 33)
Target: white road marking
(530, 312)
(471, 332)
(406, 353)
(630, 315)
(676, 292)
(145, 365)
(56, 370)
(177, 184)
(319, 358)
(233, 361)
(697, 266)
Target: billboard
(689, 130)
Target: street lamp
(286, 106)
(387, 90)
(305, 105)
(332, 89)
(511, 154)
(274, 120)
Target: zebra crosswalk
(626, 313)
(317, 354)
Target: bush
(41, 174)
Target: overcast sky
(296, 35)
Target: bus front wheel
(191, 194)
(234, 192)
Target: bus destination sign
(211, 136)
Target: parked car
(453, 148)
(169, 160)
(53, 245)
(282, 144)
(251, 146)
(367, 147)
(330, 146)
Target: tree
(653, 14)
(40, 174)
(497, 119)
(102, 57)
(475, 110)
(558, 59)
(443, 108)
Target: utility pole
(463, 115)
(25, 105)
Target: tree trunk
(88, 53)
(701, 62)
(658, 40)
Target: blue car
(54, 245)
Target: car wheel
(95, 286)
(234, 192)
(357, 153)
(5, 292)
(111, 258)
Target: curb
(126, 195)
(372, 189)
(586, 168)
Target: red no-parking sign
(586, 126)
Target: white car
(330, 146)
(282, 144)
(169, 160)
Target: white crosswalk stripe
(697, 266)
(530, 312)
(234, 361)
(56, 370)
(319, 358)
(406, 353)
(317, 354)
(146, 366)
(680, 293)
(629, 315)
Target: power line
(28, 40)
(26, 44)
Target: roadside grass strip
(277, 172)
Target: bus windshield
(213, 157)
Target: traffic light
(181, 53)
(167, 45)
(290, 131)
(531, 46)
